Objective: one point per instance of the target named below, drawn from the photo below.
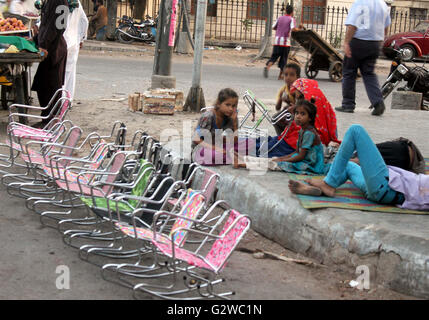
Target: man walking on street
(367, 24)
(283, 26)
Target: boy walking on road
(283, 26)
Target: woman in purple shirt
(380, 183)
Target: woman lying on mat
(379, 183)
(401, 153)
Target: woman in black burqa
(49, 38)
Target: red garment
(326, 120)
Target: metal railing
(125, 7)
(244, 21)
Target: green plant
(247, 24)
(335, 39)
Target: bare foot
(302, 188)
(238, 161)
(239, 165)
(326, 189)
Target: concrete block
(406, 100)
(159, 81)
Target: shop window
(313, 11)
(257, 9)
(418, 13)
(211, 8)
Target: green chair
(138, 187)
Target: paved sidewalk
(115, 46)
(395, 247)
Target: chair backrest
(72, 139)
(61, 106)
(194, 202)
(142, 180)
(208, 186)
(145, 146)
(114, 167)
(232, 232)
(253, 105)
(121, 136)
(64, 107)
(98, 155)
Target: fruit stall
(17, 54)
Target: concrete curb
(395, 258)
(102, 46)
(398, 261)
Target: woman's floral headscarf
(326, 120)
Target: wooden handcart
(322, 56)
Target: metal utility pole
(184, 43)
(266, 42)
(195, 99)
(111, 6)
(161, 76)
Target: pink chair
(34, 160)
(207, 186)
(57, 114)
(233, 226)
(75, 181)
(194, 202)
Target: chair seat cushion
(142, 233)
(182, 254)
(25, 132)
(102, 203)
(73, 186)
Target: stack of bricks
(157, 101)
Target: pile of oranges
(11, 24)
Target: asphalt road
(31, 254)
(102, 76)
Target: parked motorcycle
(129, 30)
(417, 77)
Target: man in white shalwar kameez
(75, 34)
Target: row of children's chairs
(148, 219)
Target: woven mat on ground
(348, 197)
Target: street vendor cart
(15, 64)
(322, 56)
(15, 77)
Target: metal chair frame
(254, 104)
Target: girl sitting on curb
(210, 145)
